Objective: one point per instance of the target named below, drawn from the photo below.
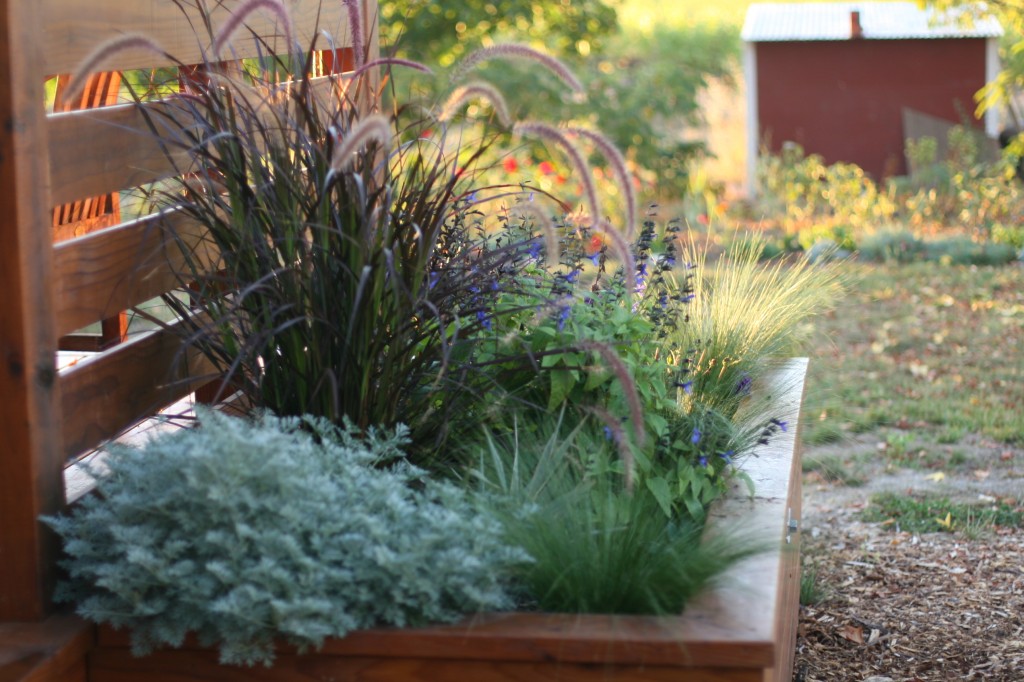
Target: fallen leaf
(852, 633)
(981, 474)
(937, 476)
(947, 522)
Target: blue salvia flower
(695, 438)
(780, 423)
(743, 385)
(534, 251)
(687, 387)
(727, 456)
(563, 316)
(433, 278)
(703, 461)
(596, 258)
(607, 433)
(572, 277)
(484, 320)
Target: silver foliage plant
(246, 531)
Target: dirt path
(902, 606)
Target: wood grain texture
(74, 28)
(53, 650)
(105, 272)
(104, 150)
(104, 395)
(30, 463)
(118, 665)
(92, 152)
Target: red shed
(838, 78)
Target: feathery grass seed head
(553, 134)
(518, 51)
(373, 128)
(481, 90)
(238, 17)
(95, 59)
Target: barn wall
(843, 99)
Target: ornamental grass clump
(345, 260)
(597, 546)
(243, 532)
(744, 312)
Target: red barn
(839, 78)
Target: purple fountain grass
(549, 132)
(546, 225)
(621, 371)
(474, 90)
(373, 128)
(94, 60)
(618, 164)
(621, 247)
(389, 61)
(355, 24)
(518, 51)
(238, 17)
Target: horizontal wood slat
(104, 395)
(96, 151)
(103, 273)
(113, 665)
(48, 651)
(74, 28)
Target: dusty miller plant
(246, 531)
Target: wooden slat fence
(50, 289)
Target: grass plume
(238, 17)
(103, 52)
(618, 165)
(549, 132)
(521, 52)
(373, 128)
(478, 90)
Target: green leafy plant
(246, 531)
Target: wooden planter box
(742, 630)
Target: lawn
(923, 347)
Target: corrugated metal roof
(769, 22)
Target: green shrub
(247, 531)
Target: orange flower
(510, 164)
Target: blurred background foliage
(642, 77)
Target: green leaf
(659, 488)
(561, 384)
(745, 477)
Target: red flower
(546, 167)
(595, 244)
(510, 164)
(560, 179)
(702, 219)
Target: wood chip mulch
(909, 608)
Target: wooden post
(31, 469)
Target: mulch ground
(908, 608)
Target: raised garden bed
(744, 629)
